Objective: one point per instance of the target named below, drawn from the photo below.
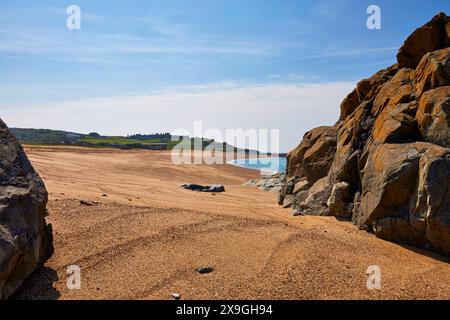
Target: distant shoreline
(281, 168)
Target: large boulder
(406, 194)
(433, 116)
(395, 124)
(318, 158)
(433, 36)
(397, 90)
(388, 167)
(308, 163)
(432, 72)
(340, 201)
(25, 238)
(431, 201)
(314, 201)
(314, 155)
(365, 90)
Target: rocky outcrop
(272, 183)
(386, 163)
(433, 116)
(432, 36)
(314, 156)
(25, 238)
(406, 194)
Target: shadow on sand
(423, 251)
(38, 286)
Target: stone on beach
(176, 295)
(200, 188)
(204, 270)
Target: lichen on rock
(385, 164)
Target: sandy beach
(144, 236)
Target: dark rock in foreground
(197, 187)
(204, 270)
(25, 238)
(386, 163)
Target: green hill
(154, 141)
(45, 136)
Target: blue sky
(144, 66)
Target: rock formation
(25, 238)
(271, 183)
(386, 163)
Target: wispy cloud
(164, 37)
(95, 47)
(14, 58)
(294, 77)
(348, 52)
(139, 35)
(289, 107)
(161, 27)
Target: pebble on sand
(176, 295)
(204, 270)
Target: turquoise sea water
(273, 165)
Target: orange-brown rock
(313, 157)
(406, 194)
(395, 124)
(365, 90)
(431, 203)
(396, 90)
(431, 37)
(388, 166)
(433, 71)
(350, 103)
(433, 116)
(319, 158)
(353, 133)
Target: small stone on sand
(176, 295)
(204, 270)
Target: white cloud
(101, 48)
(292, 108)
(349, 52)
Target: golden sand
(144, 237)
